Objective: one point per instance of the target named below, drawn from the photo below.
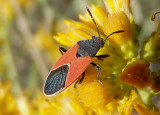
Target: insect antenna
(112, 34)
(93, 20)
(154, 16)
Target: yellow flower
(7, 101)
(121, 72)
(23, 105)
(120, 17)
(151, 49)
(99, 13)
(123, 42)
(120, 46)
(134, 102)
(116, 6)
(92, 94)
(63, 103)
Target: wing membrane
(56, 80)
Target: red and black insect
(74, 62)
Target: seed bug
(74, 62)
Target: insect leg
(61, 49)
(99, 69)
(76, 83)
(100, 57)
(79, 81)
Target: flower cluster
(123, 70)
(129, 81)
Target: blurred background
(27, 48)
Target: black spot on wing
(56, 80)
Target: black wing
(56, 80)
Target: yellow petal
(23, 105)
(64, 39)
(124, 42)
(76, 31)
(7, 101)
(126, 106)
(116, 22)
(92, 94)
(116, 6)
(99, 14)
